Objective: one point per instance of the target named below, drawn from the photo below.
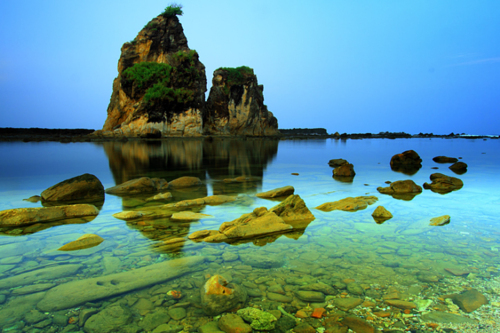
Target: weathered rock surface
(210, 200)
(48, 273)
(337, 162)
(84, 242)
(77, 292)
(459, 168)
(161, 84)
(443, 184)
(344, 170)
(348, 303)
(470, 300)
(85, 187)
(350, 204)
(258, 319)
(445, 159)
(138, 186)
(277, 192)
(112, 319)
(235, 105)
(440, 220)
(401, 304)
(25, 216)
(400, 188)
(189, 216)
(217, 295)
(293, 210)
(380, 214)
(310, 296)
(408, 162)
(446, 317)
(185, 181)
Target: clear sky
(347, 66)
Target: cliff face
(161, 84)
(235, 105)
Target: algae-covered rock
(258, 319)
(218, 295)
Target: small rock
(401, 304)
(337, 162)
(440, 220)
(184, 182)
(443, 184)
(189, 216)
(470, 300)
(350, 204)
(278, 192)
(444, 159)
(177, 313)
(310, 296)
(345, 170)
(258, 319)
(355, 288)
(408, 162)
(84, 242)
(380, 214)
(348, 303)
(459, 168)
(358, 325)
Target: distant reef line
(35, 134)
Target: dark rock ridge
(235, 105)
(303, 131)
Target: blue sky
(348, 66)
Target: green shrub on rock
(172, 10)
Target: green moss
(159, 94)
(236, 76)
(172, 10)
(145, 74)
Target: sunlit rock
(24, 216)
(350, 204)
(277, 192)
(380, 214)
(185, 181)
(85, 188)
(189, 216)
(84, 242)
(440, 220)
(218, 295)
(293, 210)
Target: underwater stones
(319, 286)
(217, 295)
(73, 293)
(84, 242)
(34, 288)
(278, 297)
(24, 216)
(457, 272)
(380, 214)
(113, 318)
(277, 192)
(422, 304)
(189, 216)
(401, 189)
(184, 182)
(350, 204)
(85, 187)
(440, 220)
(258, 319)
(355, 288)
(310, 296)
(49, 273)
(470, 300)
(260, 222)
(348, 303)
(443, 184)
(337, 162)
(262, 261)
(446, 317)
(138, 186)
(458, 168)
(358, 325)
(444, 159)
(232, 323)
(400, 304)
(408, 162)
(293, 209)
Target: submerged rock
(138, 186)
(217, 296)
(85, 188)
(401, 189)
(232, 323)
(111, 319)
(470, 300)
(24, 216)
(408, 162)
(277, 192)
(258, 319)
(445, 159)
(189, 216)
(350, 204)
(160, 197)
(443, 184)
(84, 242)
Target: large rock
(344, 170)
(185, 181)
(401, 189)
(112, 319)
(235, 105)
(349, 204)
(81, 188)
(138, 186)
(470, 300)
(217, 296)
(78, 292)
(277, 192)
(24, 216)
(293, 210)
(408, 162)
(445, 159)
(443, 184)
(161, 84)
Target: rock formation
(408, 162)
(235, 105)
(161, 84)
(443, 184)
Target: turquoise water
(402, 254)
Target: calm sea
(403, 255)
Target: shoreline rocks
(25, 216)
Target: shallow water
(402, 255)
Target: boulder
(277, 192)
(25, 216)
(349, 204)
(344, 170)
(235, 105)
(380, 214)
(470, 300)
(183, 182)
(293, 210)
(138, 186)
(443, 184)
(112, 319)
(259, 320)
(337, 162)
(408, 162)
(217, 296)
(401, 189)
(85, 188)
(84, 242)
(459, 168)
(440, 220)
(445, 159)
(232, 323)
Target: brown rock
(25, 216)
(304, 328)
(349, 204)
(348, 303)
(337, 162)
(401, 189)
(440, 220)
(457, 272)
(358, 325)
(189, 216)
(232, 323)
(344, 170)
(380, 214)
(139, 185)
(459, 167)
(277, 192)
(443, 184)
(293, 210)
(407, 162)
(445, 159)
(185, 182)
(218, 296)
(84, 242)
(81, 188)
(401, 304)
(470, 300)
(252, 225)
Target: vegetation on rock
(172, 10)
(236, 76)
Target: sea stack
(235, 105)
(161, 84)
